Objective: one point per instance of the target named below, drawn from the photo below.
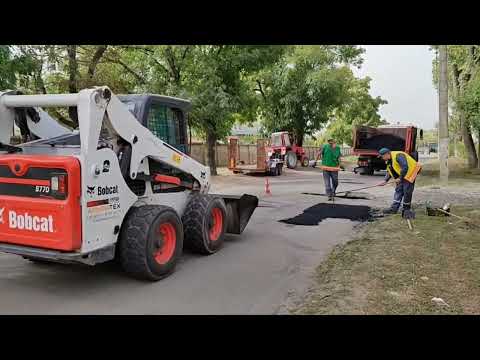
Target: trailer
(266, 161)
(367, 141)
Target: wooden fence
(248, 153)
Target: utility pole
(443, 114)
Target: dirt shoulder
(392, 270)
(388, 269)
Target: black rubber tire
(280, 169)
(367, 171)
(197, 219)
(305, 161)
(272, 171)
(38, 260)
(276, 171)
(289, 159)
(138, 240)
(414, 155)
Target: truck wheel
(204, 224)
(151, 241)
(305, 162)
(291, 159)
(367, 171)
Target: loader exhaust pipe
(239, 211)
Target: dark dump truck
(367, 141)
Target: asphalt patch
(317, 213)
(348, 195)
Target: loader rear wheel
(151, 242)
(204, 224)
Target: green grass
(459, 174)
(402, 272)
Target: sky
(402, 75)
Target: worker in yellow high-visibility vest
(404, 169)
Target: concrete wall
(248, 153)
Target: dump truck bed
(368, 140)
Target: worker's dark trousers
(331, 181)
(403, 191)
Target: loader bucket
(239, 210)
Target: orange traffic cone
(267, 187)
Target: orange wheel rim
(168, 240)
(217, 224)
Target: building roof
(239, 130)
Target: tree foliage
(359, 108)
(296, 88)
(463, 70)
(301, 92)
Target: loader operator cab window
(168, 125)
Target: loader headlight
(58, 184)
(54, 183)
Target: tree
(463, 64)
(359, 108)
(12, 67)
(218, 81)
(301, 92)
(471, 104)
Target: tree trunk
(472, 159)
(469, 145)
(72, 78)
(39, 83)
(299, 135)
(455, 146)
(95, 60)
(478, 155)
(211, 141)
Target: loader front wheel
(204, 224)
(151, 242)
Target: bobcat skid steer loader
(121, 187)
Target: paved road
(255, 273)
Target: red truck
(367, 141)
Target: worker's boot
(391, 210)
(408, 214)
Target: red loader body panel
(36, 210)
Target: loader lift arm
(120, 121)
(99, 106)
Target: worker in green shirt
(331, 158)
